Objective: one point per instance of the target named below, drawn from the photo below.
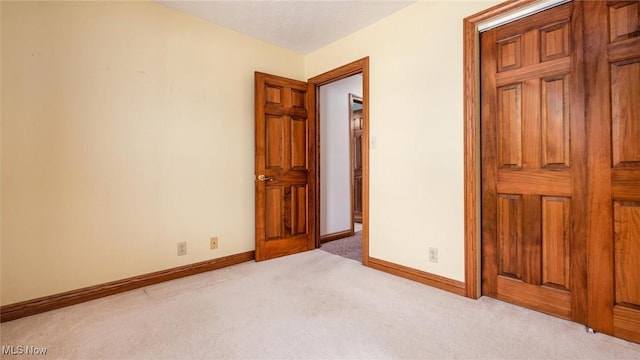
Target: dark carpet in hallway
(350, 247)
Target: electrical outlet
(433, 255)
(213, 242)
(182, 248)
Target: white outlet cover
(433, 255)
(182, 248)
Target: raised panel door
(533, 162)
(284, 167)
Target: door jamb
(357, 67)
(471, 105)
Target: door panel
(299, 209)
(626, 217)
(274, 139)
(626, 309)
(625, 107)
(613, 116)
(284, 167)
(555, 123)
(556, 220)
(274, 211)
(510, 126)
(299, 144)
(510, 235)
(532, 251)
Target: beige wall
(416, 111)
(119, 121)
(126, 128)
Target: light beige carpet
(313, 305)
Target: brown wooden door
(533, 164)
(356, 155)
(612, 68)
(284, 166)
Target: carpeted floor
(312, 305)
(350, 247)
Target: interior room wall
(127, 127)
(416, 98)
(335, 160)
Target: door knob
(264, 178)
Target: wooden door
(355, 105)
(284, 167)
(612, 68)
(533, 164)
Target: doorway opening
(340, 118)
(339, 158)
(342, 160)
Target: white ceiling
(302, 25)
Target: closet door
(533, 163)
(612, 70)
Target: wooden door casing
(356, 123)
(360, 66)
(533, 164)
(284, 155)
(612, 65)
